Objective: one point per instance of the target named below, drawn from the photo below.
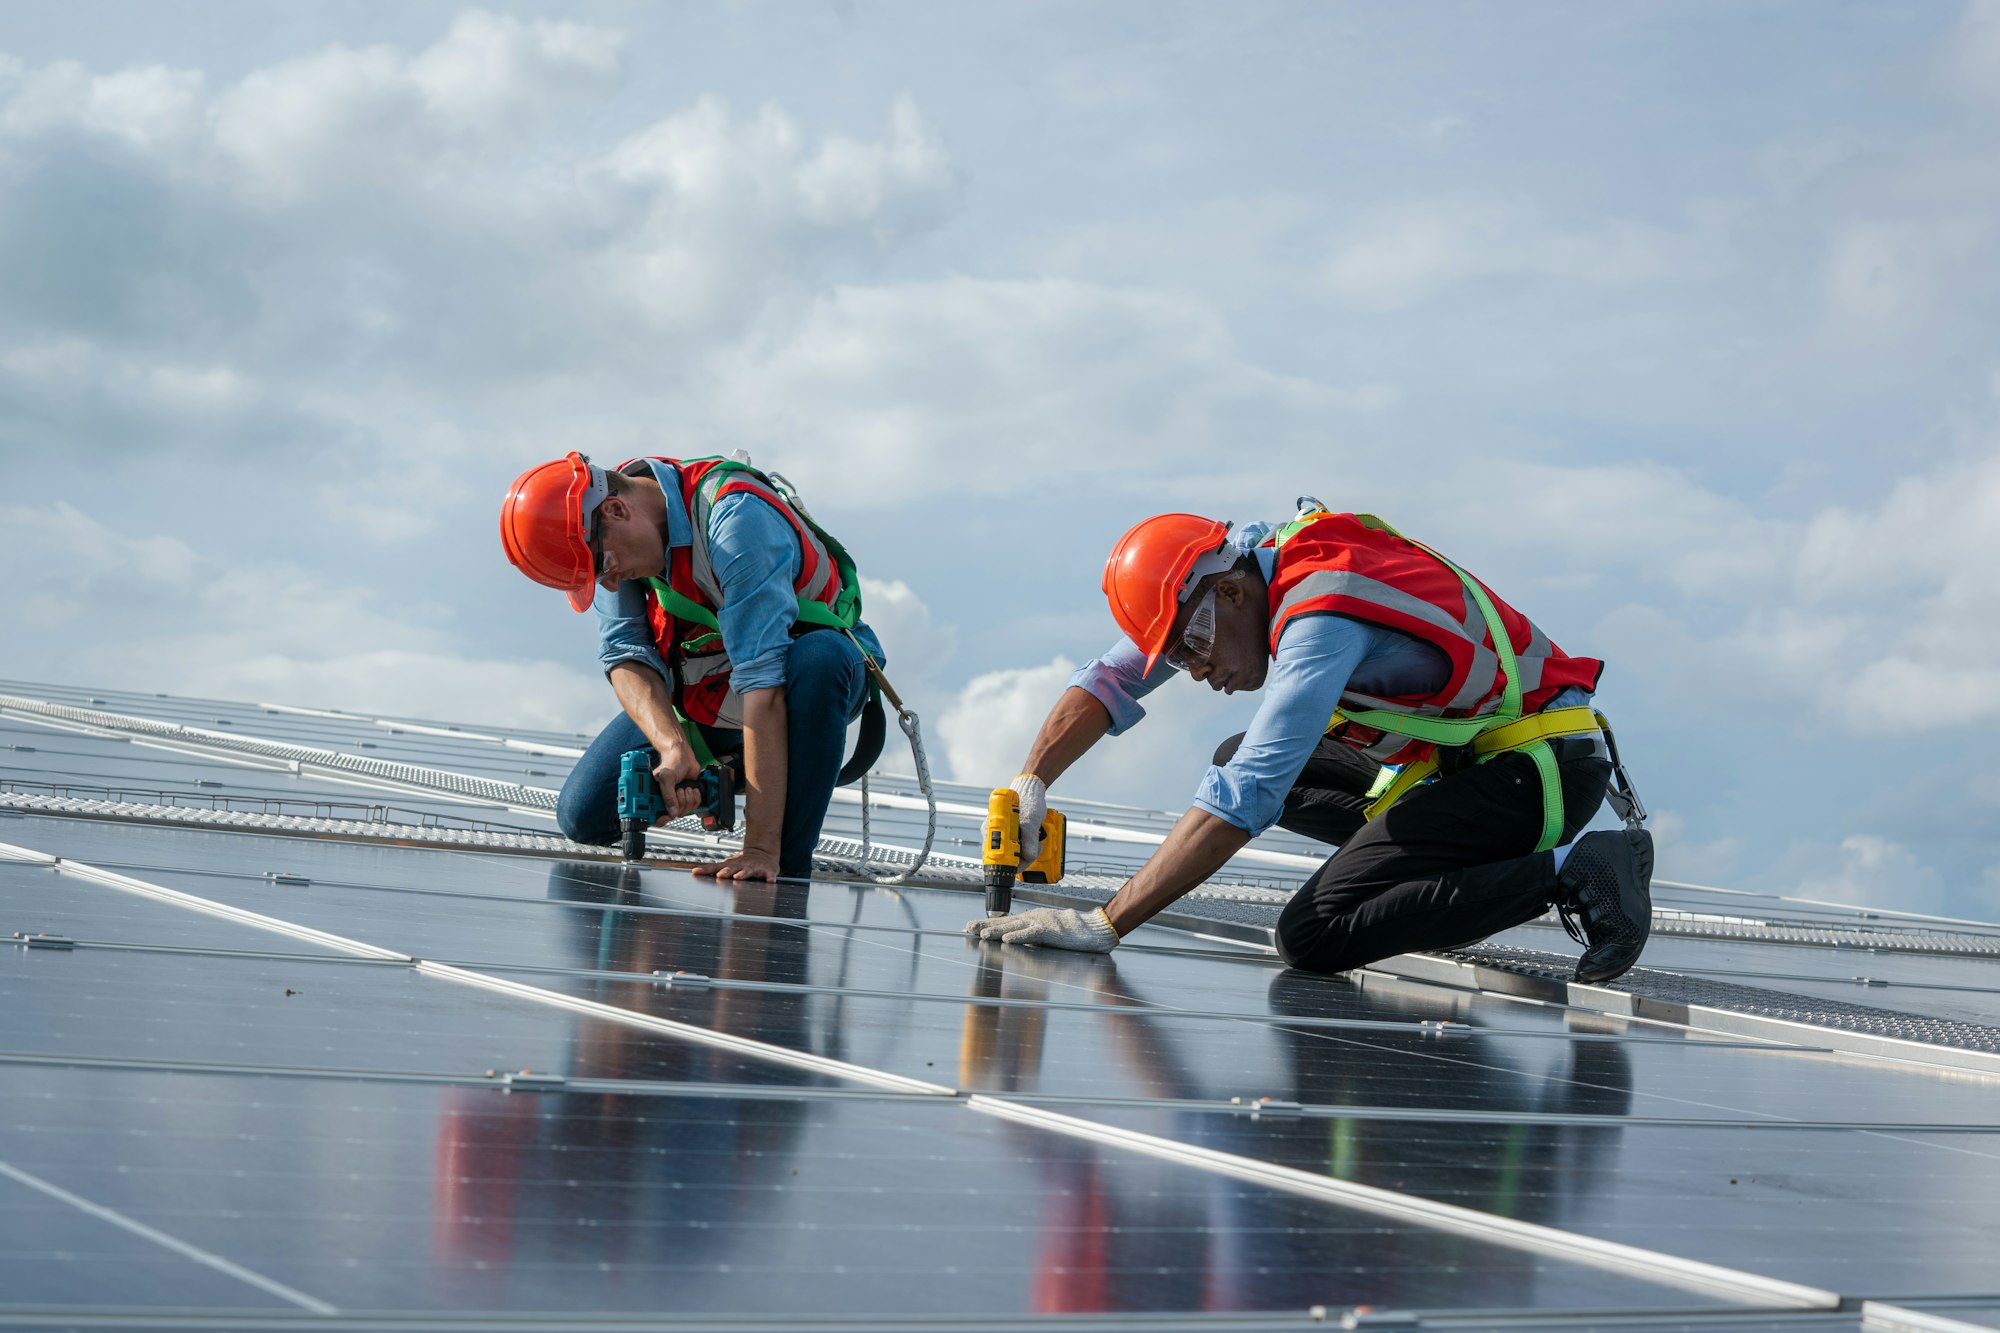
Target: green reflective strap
(682, 608)
(1463, 731)
(1284, 533)
(692, 734)
(845, 612)
(1454, 730)
(1434, 730)
(1552, 793)
(1503, 647)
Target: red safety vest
(694, 652)
(1350, 565)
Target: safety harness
(842, 614)
(1503, 731)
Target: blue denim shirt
(1316, 659)
(757, 561)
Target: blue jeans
(825, 686)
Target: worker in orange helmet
(729, 624)
(1436, 735)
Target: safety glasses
(1198, 639)
(595, 541)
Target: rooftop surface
(312, 1021)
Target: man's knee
(1318, 955)
(1310, 939)
(582, 815)
(1300, 931)
(1227, 750)
(821, 662)
(1323, 956)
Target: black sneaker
(1607, 880)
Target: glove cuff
(1105, 917)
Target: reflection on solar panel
(312, 1020)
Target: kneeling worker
(1377, 651)
(706, 575)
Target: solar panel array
(312, 1020)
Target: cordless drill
(1000, 850)
(640, 801)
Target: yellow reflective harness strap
(1552, 725)
(1529, 736)
(1406, 778)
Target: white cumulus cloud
(1418, 251)
(985, 389)
(150, 613)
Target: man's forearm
(1077, 722)
(766, 732)
(1195, 849)
(645, 699)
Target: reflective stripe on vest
(681, 609)
(1357, 566)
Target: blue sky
(1679, 323)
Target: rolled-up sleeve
(756, 557)
(1119, 679)
(1315, 657)
(622, 632)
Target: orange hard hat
(545, 525)
(1148, 570)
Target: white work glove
(1051, 928)
(1034, 809)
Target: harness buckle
(1622, 795)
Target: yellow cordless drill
(1000, 850)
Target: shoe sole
(1634, 873)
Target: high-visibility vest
(1357, 566)
(681, 608)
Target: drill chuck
(641, 803)
(999, 891)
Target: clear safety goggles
(1198, 639)
(595, 541)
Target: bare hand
(750, 863)
(677, 765)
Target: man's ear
(1230, 588)
(614, 507)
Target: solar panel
(312, 1019)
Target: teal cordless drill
(640, 801)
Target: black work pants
(1450, 863)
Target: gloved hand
(1051, 928)
(1034, 809)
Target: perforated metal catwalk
(311, 1020)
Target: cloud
(347, 118)
(1681, 856)
(1971, 54)
(367, 255)
(1883, 273)
(1417, 252)
(894, 388)
(1864, 870)
(917, 643)
(705, 213)
(150, 613)
(146, 108)
(988, 729)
